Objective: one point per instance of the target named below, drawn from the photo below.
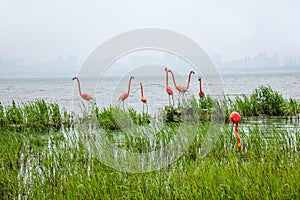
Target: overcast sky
(41, 30)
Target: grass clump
(37, 116)
(265, 101)
(115, 118)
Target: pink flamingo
(235, 118)
(125, 95)
(201, 93)
(169, 89)
(182, 89)
(143, 99)
(84, 96)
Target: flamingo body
(235, 118)
(181, 88)
(123, 96)
(170, 91)
(201, 94)
(144, 99)
(86, 97)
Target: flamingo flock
(234, 116)
(182, 90)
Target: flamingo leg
(173, 99)
(144, 107)
(239, 146)
(88, 106)
(184, 97)
(231, 136)
(179, 98)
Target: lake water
(107, 90)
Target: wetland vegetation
(42, 157)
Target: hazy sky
(41, 30)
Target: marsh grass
(42, 156)
(35, 167)
(265, 101)
(36, 116)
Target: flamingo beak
(73, 78)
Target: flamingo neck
(129, 83)
(201, 85)
(167, 81)
(237, 135)
(173, 78)
(189, 80)
(236, 127)
(142, 91)
(79, 89)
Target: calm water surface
(107, 90)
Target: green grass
(36, 116)
(42, 156)
(61, 167)
(264, 100)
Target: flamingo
(84, 96)
(169, 89)
(201, 93)
(182, 89)
(235, 118)
(143, 99)
(125, 95)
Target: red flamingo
(182, 89)
(169, 89)
(125, 95)
(84, 96)
(235, 118)
(201, 93)
(143, 99)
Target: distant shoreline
(275, 69)
(222, 70)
